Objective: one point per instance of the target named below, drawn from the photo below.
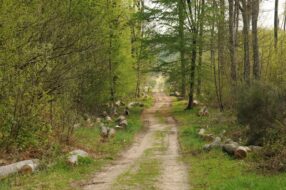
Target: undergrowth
(215, 170)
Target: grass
(215, 170)
(61, 175)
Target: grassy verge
(145, 172)
(140, 177)
(61, 175)
(214, 170)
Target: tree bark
(232, 39)
(276, 23)
(194, 32)
(256, 61)
(221, 34)
(182, 47)
(193, 70)
(201, 30)
(245, 10)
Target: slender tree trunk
(221, 34)
(182, 46)
(276, 23)
(245, 10)
(193, 70)
(110, 62)
(232, 39)
(137, 34)
(212, 56)
(194, 33)
(201, 30)
(256, 61)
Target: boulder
(75, 155)
(203, 111)
(108, 118)
(111, 132)
(98, 120)
(123, 123)
(134, 104)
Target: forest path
(159, 143)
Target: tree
(245, 8)
(194, 12)
(201, 44)
(256, 61)
(181, 14)
(276, 21)
(232, 38)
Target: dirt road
(171, 174)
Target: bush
(261, 108)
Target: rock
(195, 103)
(98, 120)
(121, 118)
(75, 155)
(123, 123)
(118, 127)
(76, 126)
(119, 103)
(89, 123)
(104, 114)
(202, 131)
(108, 118)
(203, 111)
(111, 133)
(203, 135)
(133, 104)
(104, 132)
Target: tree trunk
(276, 23)
(245, 10)
(194, 33)
(30, 165)
(256, 61)
(232, 39)
(182, 47)
(201, 30)
(221, 34)
(193, 70)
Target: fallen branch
(26, 166)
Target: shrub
(261, 108)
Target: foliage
(261, 108)
(59, 60)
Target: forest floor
(58, 175)
(215, 170)
(153, 161)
